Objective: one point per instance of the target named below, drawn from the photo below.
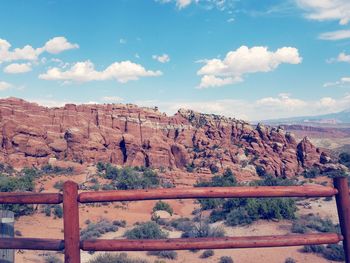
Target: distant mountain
(338, 118)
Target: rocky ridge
(133, 136)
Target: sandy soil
(38, 225)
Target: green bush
(182, 224)
(312, 173)
(203, 229)
(207, 253)
(290, 260)
(95, 230)
(147, 230)
(120, 223)
(331, 252)
(21, 182)
(50, 169)
(313, 222)
(115, 258)
(238, 216)
(163, 206)
(52, 259)
(226, 259)
(58, 211)
(58, 185)
(344, 158)
(168, 254)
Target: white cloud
(230, 20)
(53, 46)
(282, 106)
(4, 85)
(342, 57)
(17, 68)
(58, 44)
(161, 58)
(322, 10)
(335, 35)
(112, 99)
(345, 81)
(85, 71)
(244, 60)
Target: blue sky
(247, 59)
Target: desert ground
(39, 225)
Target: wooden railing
(71, 245)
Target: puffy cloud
(53, 46)
(335, 35)
(244, 60)
(58, 44)
(17, 68)
(342, 57)
(4, 85)
(161, 58)
(281, 106)
(322, 10)
(85, 71)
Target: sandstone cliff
(135, 136)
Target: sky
(248, 59)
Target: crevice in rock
(123, 149)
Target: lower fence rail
(209, 243)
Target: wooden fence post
(71, 223)
(7, 231)
(343, 206)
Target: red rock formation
(131, 135)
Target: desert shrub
(182, 224)
(290, 260)
(131, 179)
(163, 206)
(207, 253)
(313, 222)
(313, 249)
(312, 173)
(334, 252)
(47, 210)
(214, 169)
(21, 182)
(203, 229)
(95, 230)
(58, 211)
(50, 169)
(147, 230)
(226, 179)
(58, 185)
(331, 252)
(115, 258)
(238, 211)
(238, 216)
(52, 259)
(168, 254)
(226, 259)
(120, 223)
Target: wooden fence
(71, 245)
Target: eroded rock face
(130, 135)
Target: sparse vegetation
(226, 259)
(115, 258)
(95, 230)
(344, 158)
(312, 172)
(163, 206)
(207, 253)
(331, 252)
(290, 260)
(52, 259)
(147, 230)
(129, 178)
(312, 222)
(203, 229)
(167, 254)
(50, 169)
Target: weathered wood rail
(71, 245)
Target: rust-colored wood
(207, 192)
(71, 223)
(343, 206)
(209, 243)
(32, 244)
(30, 198)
